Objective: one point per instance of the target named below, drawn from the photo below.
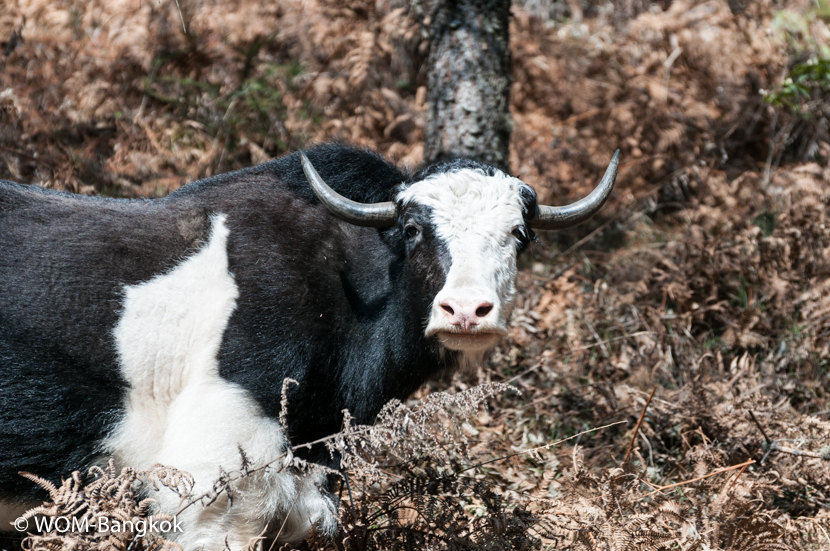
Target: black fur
(341, 309)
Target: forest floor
(691, 317)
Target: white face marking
(474, 215)
(181, 413)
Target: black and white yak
(160, 331)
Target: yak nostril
(483, 310)
(448, 309)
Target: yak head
(462, 225)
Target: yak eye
(411, 231)
(518, 233)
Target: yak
(161, 331)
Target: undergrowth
(417, 482)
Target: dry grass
(104, 511)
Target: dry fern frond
(105, 495)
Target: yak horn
(375, 215)
(559, 218)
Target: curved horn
(375, 215)
(558, 218)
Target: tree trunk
(469, 81)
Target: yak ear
(375, 215)
(529, 198)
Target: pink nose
(466, 316)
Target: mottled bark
(469, 81)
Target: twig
(650, 450)
(798, 453)
(760, 428)
(349, 489)
(252, 543)
(698, 478)
(637, 428)
(239, 474)
(823, 530)
(667, 73)
(277, 537)
(545, 447)
(580, 116)
(181, 16)
(734, 480)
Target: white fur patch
(181, 413)
(474, 214)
